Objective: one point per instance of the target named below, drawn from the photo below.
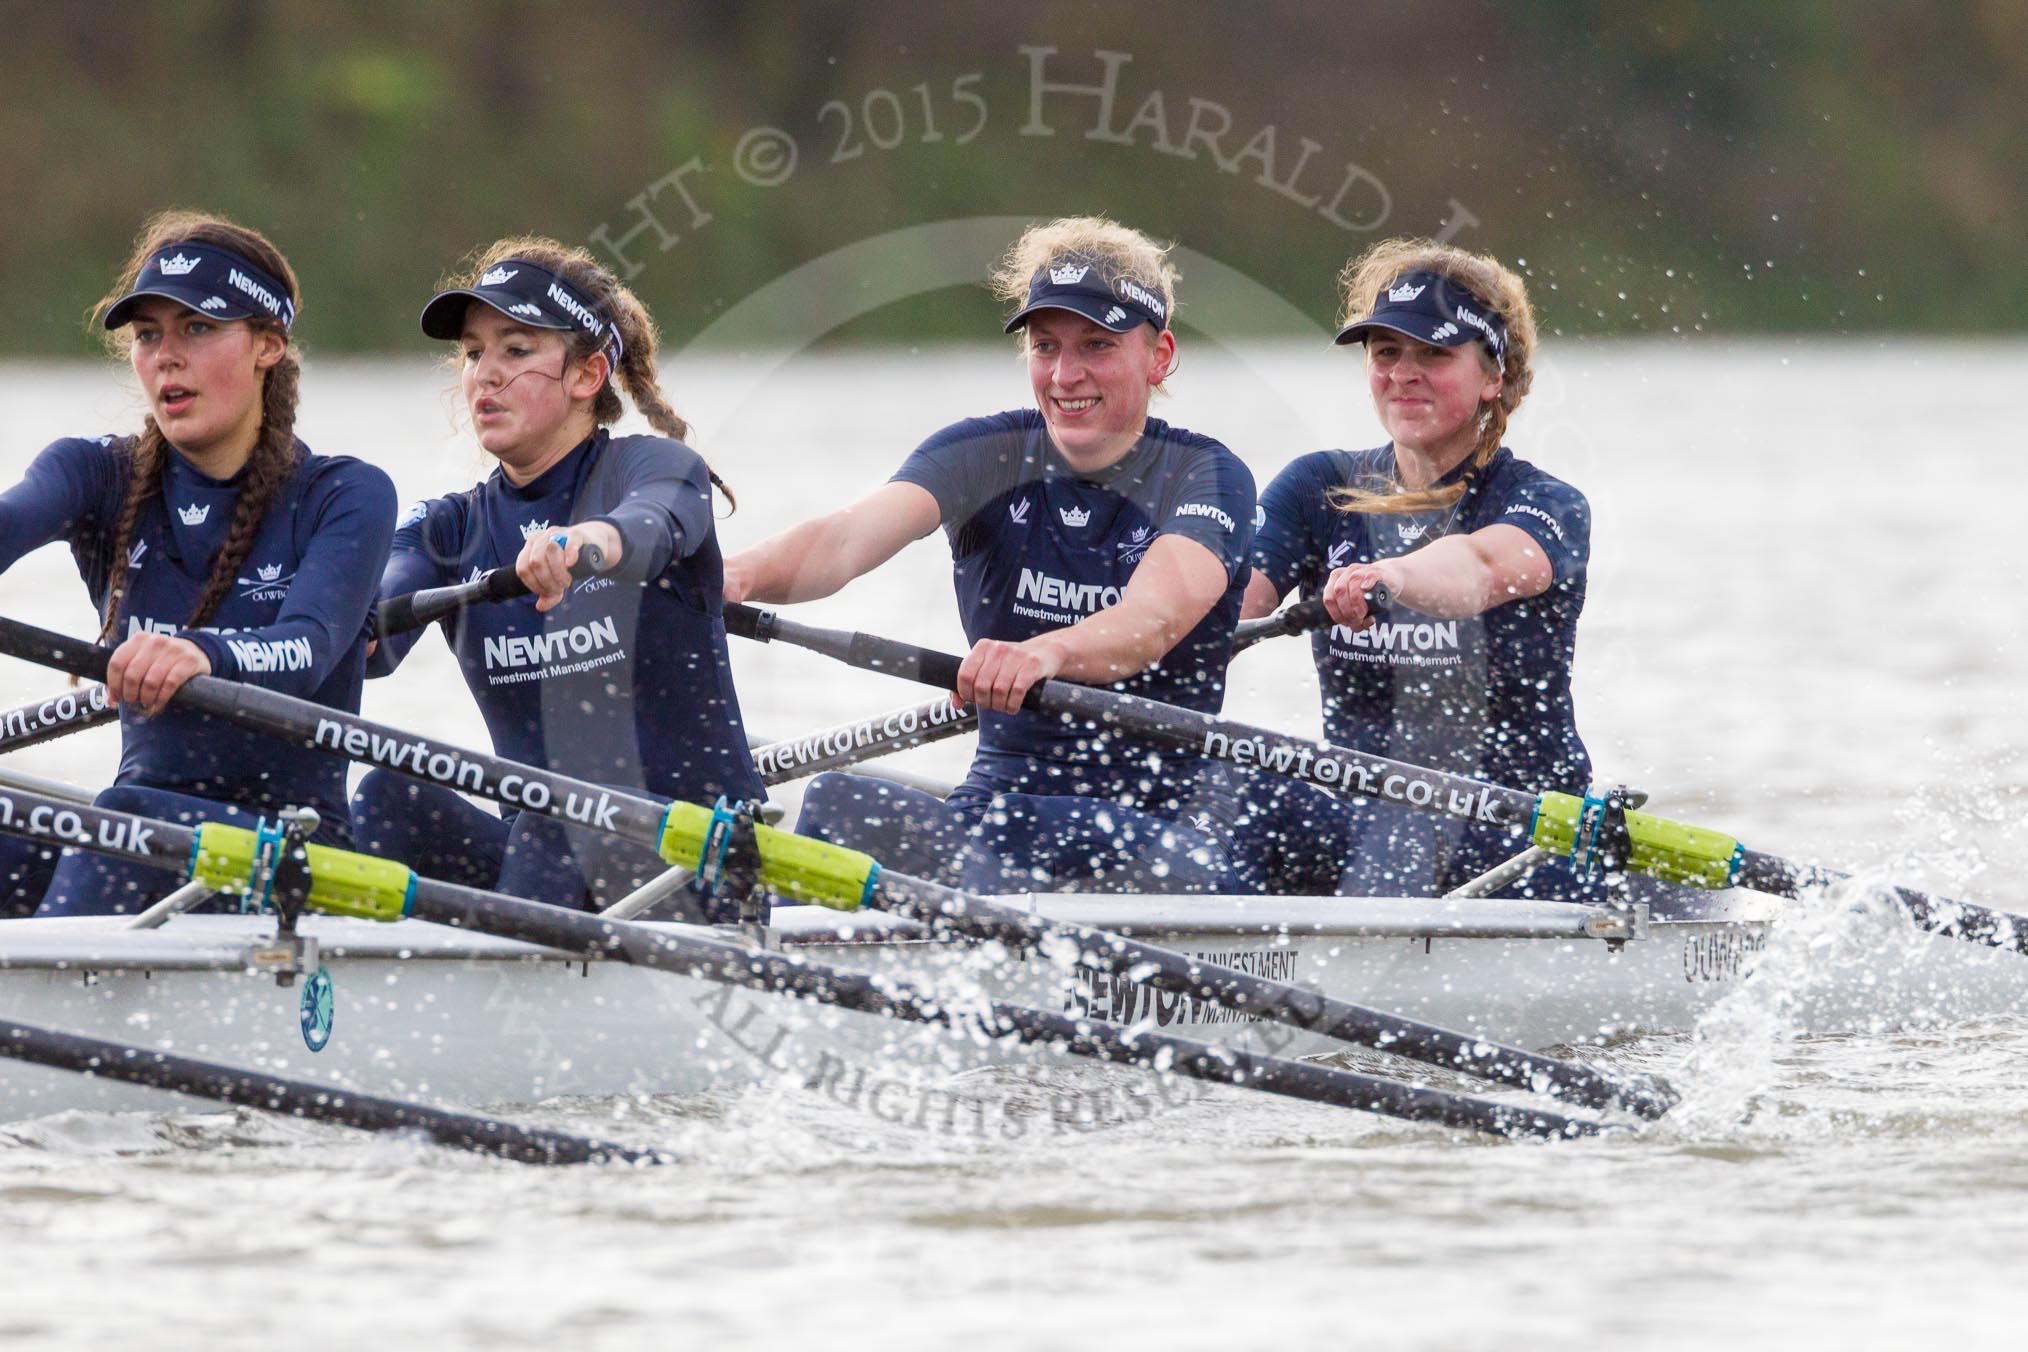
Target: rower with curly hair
(1467, 668)
(621, 678)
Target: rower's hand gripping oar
(79, 710)
(1561, 823)
(831, 875)
(1299, 618)
(417, 609)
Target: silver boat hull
(448, 1017)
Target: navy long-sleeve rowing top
(293, 620)
(627, 681)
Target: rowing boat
(419, 1010)
(1167, 983)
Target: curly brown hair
(611, 298)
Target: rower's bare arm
(1262, 596)
(1173, 587)
(817, 557)
(1459, 576)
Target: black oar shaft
(1300, 618)
(297, 1098)
(1939, 915)
(58, 716)
(640, 820)
(414, 610)
(849, 743)
(1168, 970)
(1202, 734)
(1279, 1003)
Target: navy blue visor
(209, 280)
(1082, 287)
(1431, 308)
(527, 293)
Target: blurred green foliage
(1685, 166)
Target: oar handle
(1300, 618)
(906, 660)
(414, 610)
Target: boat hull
(448, 1017)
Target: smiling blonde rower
(1089, 543)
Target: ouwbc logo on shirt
(267, 583)
(1135, 547)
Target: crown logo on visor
(177, 266)
(1405, 292)
(1074, 516)
(193, 515)
(498, 276)
(269, 571)
(1069, 274)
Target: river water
(1804, 627)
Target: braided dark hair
(612, 299)
(275, 454)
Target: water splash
(1828, 952)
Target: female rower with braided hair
(621, 678)
(1468, 667)
(212, 543)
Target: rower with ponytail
(1468, 667)
(621, 678)
(212, 542)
